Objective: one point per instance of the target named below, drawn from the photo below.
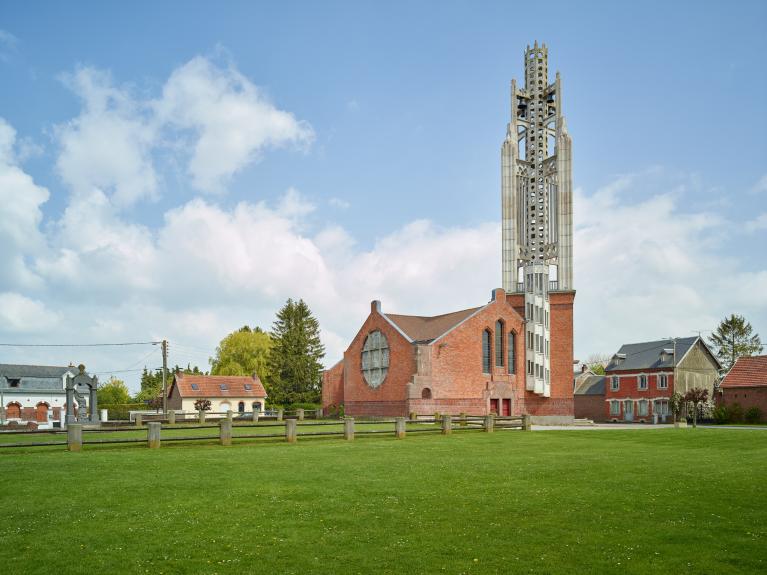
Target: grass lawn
(618, 501)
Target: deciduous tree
(113, 392)
(243, 352)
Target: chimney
(375, 306)
(584, 367)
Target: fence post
(300, 414)
(201, 416)
(280, 414)
(153, 434)
(225, 431)
(489, 422)
(437, 416)
(399, 427)
(349, 429)
(318, 414)
(527, 424)
(256, 412)
(447, 424)
(229, 415)
(413, 416)
(291, 433)
(171, 417)
(138, 420)
(463, 419)
(74, 437)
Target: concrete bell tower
(536, 191)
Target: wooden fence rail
(291, 429)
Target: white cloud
(760, 187)
(8, 44)
(20, 314)
(232, 120)
(20, 215)
(108, 146)
(339, 203)
(758, 223)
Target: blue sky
(363, 162)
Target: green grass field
(660, 501)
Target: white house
(225, 392)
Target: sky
(176, 170)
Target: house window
(615, 408)
(248, 387)
(426, 393)
(642, 407)
(195, 387)
(241, 407)
(529, 367)
(14, 382)
(223, 387)
(486, 351)
(530, 341)
(256, 405)
(615, 383)
(499, 329)
(662, 381)
(375, 358)
(642, 385)
(512, 352)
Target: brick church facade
(470, 361)
(513, 355)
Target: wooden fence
(291, 429)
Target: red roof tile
(210, 385)
(748, 371)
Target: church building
(514, 354)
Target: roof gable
(748, 371)
(592, 385)
(425, 329)
(647, 355)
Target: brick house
(642, 377)
(471, 361)
(33, 392)
(225, 392)
(746, 384)
(589, 398)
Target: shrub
(753, 415)
(334, 410)
(306, 406)
(736, 412)
(202, 405)
(721, 414)
(121, 410)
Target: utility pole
(165, 376)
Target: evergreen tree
(295, 356)
(733, 338)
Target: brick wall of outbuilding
(747, 397)
(590, 407)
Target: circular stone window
(375, 358)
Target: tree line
(286, 359)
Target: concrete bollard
(280, 414)
(291, 430)
(463, 419)
(171, 417)
(399, 427)
(201, 416)
(437, 416)
(74, 437)
(138, 419)
(153, 434)
(489, 423)
(319, 414)
(349, 429)
(229, 415)
(413, 416)
(300, 414)
(225, 432)
(527, 423)
(256, 413)
(447, 424)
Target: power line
(79, 344)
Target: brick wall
(333, 385)
(747, 397)
(590, 407)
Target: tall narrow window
(499, 329)
(486, 351)
(512, 343)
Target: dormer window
(14, 382)
(223, 387)
(195, 387)
(248, 387)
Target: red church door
(506, 407)
(494, 406)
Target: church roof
(426, 329)
(748, 371)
